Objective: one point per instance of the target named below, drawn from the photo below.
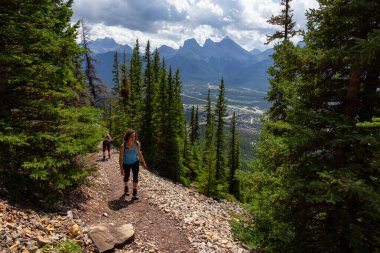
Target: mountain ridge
(198, 64)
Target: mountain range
(197, 64)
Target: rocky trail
(167, 218)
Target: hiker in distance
(129, 159)
(107, 146)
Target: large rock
(123, 234)
(106, 236)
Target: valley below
(249, 105)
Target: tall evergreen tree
(192, 124)
(147, 129)
(161, 122)
(169, 116)
(282, 73)
(220, 114)
(206, 181)
(178, 105)
(172, 145)
(94, 82)
(135, 102)
(120, 109)
(180, 121)
(116, 74)
(233, 159)
(315, 183)
(196, 125)
(42, 128)
(156, 76)
(156, 67)
(285, 20)
(125, 86)
(83, 96)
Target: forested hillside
(46, 121)
(53, 112)
(313, 185)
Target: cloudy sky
(171, 22)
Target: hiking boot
(135, 197)
(126, 192)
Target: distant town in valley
(202, 68)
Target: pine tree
(94, 82)
(285, 20)
(196, 125)
(161, 122)
(83, 96)
(194, 163)
(233, 159)
(170, 138)
(172, 146)
(179, 122)
(116, 74)
(120, 107)
(220, 114)
(156, 67)
(135, 105)
(315, 186)
(147, 129)
(206, 181)
(178, 105)
(192, 124)
(282, 73)
(125, 88)
(40, 113)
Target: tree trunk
(352, 96)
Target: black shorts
(106, 145)
(135, 171)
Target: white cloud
(256, 13)
(171, 22)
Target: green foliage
(315, 185)
(194, 125)
(119, 122)
(135, 99)
(375, 123)
(193, 162)
(148, 126)
(220, 114)
(68, 246)
(233, 160)
(206, 182)
(44, 124)
(116, 74)
(285, 20)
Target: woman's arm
(141, 156)
(121, 159)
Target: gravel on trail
(168, 217)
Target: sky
(171, 22)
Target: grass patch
(68, 246)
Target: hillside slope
(167, 218)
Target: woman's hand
(122, 172)
(144, 165)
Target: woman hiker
(130, 156)
(107, 146)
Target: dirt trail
(155, 231)
(168, 217)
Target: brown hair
(128, 135)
